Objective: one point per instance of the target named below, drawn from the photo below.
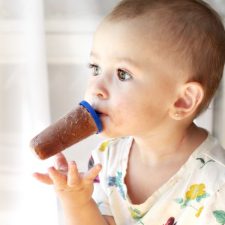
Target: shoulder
(214, 154)
(215, 151)
(211, 164)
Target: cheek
(144, 112)
(119, 114)
(124, 114)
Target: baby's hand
(71, 186)
(61, 165)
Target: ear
(189, 98)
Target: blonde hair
(193, 29)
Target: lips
(101, 113)
(99, 110)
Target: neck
(155, 149)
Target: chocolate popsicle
(77, 125)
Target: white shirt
(195, 195)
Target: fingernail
(52, 168)
(72, 163)
(63, 168)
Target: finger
(44, 178)
(58, 178)
(73, 175)
(61, 162)
(92, 173)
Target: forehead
(141, 40)
(129, 30)
(126, 37)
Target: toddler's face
(130, 83)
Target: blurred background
(44, 50)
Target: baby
(155, 66)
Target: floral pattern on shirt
(220, 216)
(103, 146)
(195, 193)
(203, 162)
(136, 214)
(117, 182)
(171, 221)
(199, 211)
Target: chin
(110, 130)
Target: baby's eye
(96, 70)
(123, 75)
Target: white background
(50, 41)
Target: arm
(74, 191)
(88, 214)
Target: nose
(99, 88)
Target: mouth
(100, 113)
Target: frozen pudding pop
(77, 125)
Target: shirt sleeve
(100, 189)
(101, 200)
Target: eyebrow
(122, 59)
